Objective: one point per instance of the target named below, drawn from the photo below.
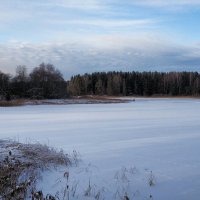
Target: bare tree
(49, 81)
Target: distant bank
(46, 82)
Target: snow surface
(120, 144)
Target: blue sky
(100, 35)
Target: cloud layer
(119, 54)
(100, 35)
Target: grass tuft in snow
(152, 179)
(21, 166)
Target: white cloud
(117, 53)
(79, 4)
(12, 16)
(71, 4)
(107, 23)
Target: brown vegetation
(13, 103)
(21, 166)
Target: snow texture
(120, 144)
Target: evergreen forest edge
(47, 82)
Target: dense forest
(46, 82)
(136, 83)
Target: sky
(84, 36)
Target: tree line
(47, 82)
(44, 82)
(136, 83)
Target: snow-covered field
(119, 144)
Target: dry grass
(102, 99)
(11, 103)
(21, 166)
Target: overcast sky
(80, 36)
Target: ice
(159, 135)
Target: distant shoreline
(90, 99)
(166, 97)
(67, 101)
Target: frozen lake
(162, 135)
